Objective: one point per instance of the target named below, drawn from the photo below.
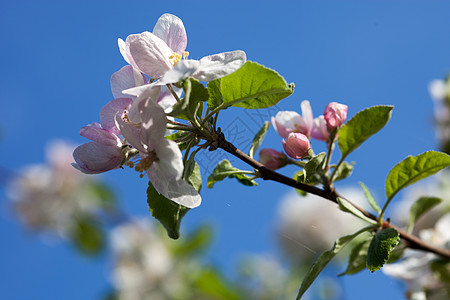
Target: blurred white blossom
(309, 225)
(143, 265)
(51, 197)
(415, 267)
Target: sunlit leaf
(224, 169)
(258, 139)
(383, 242)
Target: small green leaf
(383, 242)
(87, 235)
(167, 212)
(413, 169)
(370, 198)
(357, 258)
(177, 135)
(324, 259)
(314, 166)
(258, 139)
(363, 125)
(224, 169)
(343, 171)
(198, 94)
(421, 206)
(252, 86)
(346, 206)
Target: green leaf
(441, 270)
(194, 177)
(252, 86)
(87, 235)
(421, 206)
(397, 253)
(314, 166)
(357, 258)
(324, 259)
(343, 171)
(370, 198)
(214, 286)
(224, 169)
(413, 169)
(258, 139)
(167, 212)
(215, 93)
(363, 125)
(383, 242)
(346, 206)
(195, 242)
(198, 94)
(177, 135)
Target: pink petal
(150, 54)
(95, 133)
(126, 78)
(93, 158)
(307, 116)
(170, 29)
(109, 111)
(131, 134)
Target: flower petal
(96, 133)
(154, 122)
(183, 193)
(109, 111)
(181, 71)
(93, 158)
(307, 116)
(219, 65)
(124, 79)
(170, 29)
(150, 54)
(286, 122)
(131, 133)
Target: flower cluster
(296, 130)
(53, 198)
(132, 127)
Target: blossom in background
(143, 267)
(161, 55)
(440, 93)
(144, 129)
(415, 266)
(52, 197)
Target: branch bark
(330, 194)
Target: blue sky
(58, 57)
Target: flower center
(176, 58)
(144, 163)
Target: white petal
(154, 123)
(130, 133)
(123, 50)
(219, 65)
(171, 30)
(144, 92)
(150, 54)
(183, 193)
(285, 122)
(181, 71)
(307, 116)
(109, 111)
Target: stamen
(176, 58)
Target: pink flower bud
(296, 145)
(272, 159)
(335, 115)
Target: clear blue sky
(58, 56)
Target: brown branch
(330, 194)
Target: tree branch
(330, 194)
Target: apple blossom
(272, 158)
(161, 55)
(144, 129)
(335, 115)
(320, 130)
(104, 153)
(296, 145)
(286, 122)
